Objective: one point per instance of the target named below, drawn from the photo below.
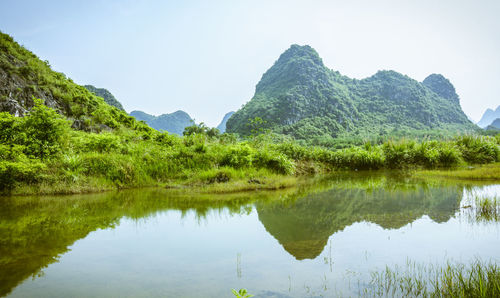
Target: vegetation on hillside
(106, 95)
(299, 96)
(25, 76)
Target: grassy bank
(41, 154)
(476, 172)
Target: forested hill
(106, 95)
(301, 97)
(174, 122)
(23, 76)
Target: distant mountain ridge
(222, 126)
(301, 97)
(488, 117)
(174, 122)
(106, 95)
(495, 125)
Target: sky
(205, 57)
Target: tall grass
(477, 279)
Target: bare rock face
(17, 92)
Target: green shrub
(293, 151)
(359, 158)
(449, 155)
(237, 156)
(274, 161)
(8, 129)
(399, 154)
(44, 131)
(25, 171)
(103, 142)
(477, 149)
(118, 168)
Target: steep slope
(301, 97)
(488, 117)
(222, 126)
(106, 95)
(24, 76)
(173, 123)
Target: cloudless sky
(205, 57)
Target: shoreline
(251, 183)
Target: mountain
(495, 125)
(488, 117)
(301, 97)
(173, 123)
(222, 126)
(106, 95)
(24, 76)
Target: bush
(103, 142)
(476, 149)
(293, 151)
(26, 171)
(274, 161)
(118, 168)
(44, 131)
(360, 158)
(449, 155)
(237, 156)
(399, 154)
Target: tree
(43, 131)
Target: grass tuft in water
(488, 209)
(477, 279)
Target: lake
(322, 238)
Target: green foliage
(43, 131)
(477, 149)
(242, 293)
(201, 129)
(24, 170)
(274, 161)
(238, 156)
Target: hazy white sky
(205, 57)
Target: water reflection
(304, 226)
(36, 231)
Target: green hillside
(299, 96)
(106, 95)
(174, 122)
(24, 76)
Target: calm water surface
(319, 240)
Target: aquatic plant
(242, 293)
